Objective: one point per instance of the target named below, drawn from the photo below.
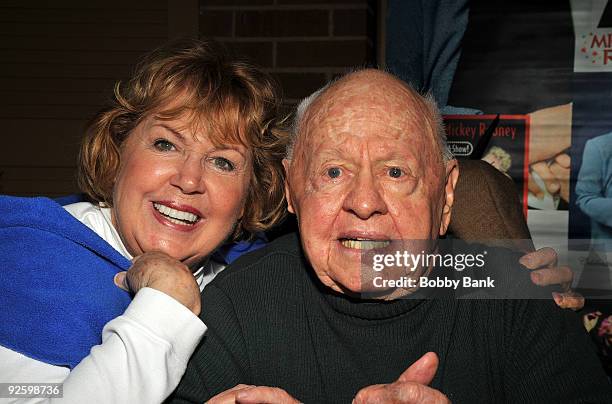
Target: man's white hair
(298, 118)
(430, 105)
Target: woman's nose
(189, 176)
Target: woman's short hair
(235, 101)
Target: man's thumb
(422, 371)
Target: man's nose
(189, 176)
(365, 199)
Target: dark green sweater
(270, 322)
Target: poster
(507, 150)
(590, 216)
(551, 62)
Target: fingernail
(558, 297)
(536, 278)
(119, 280)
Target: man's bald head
(379, 89)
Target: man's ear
(452, 174)
(286, 164)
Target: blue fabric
(56, 282)
(230, 252)
(69, 199)
(424, 42)
(594, 185)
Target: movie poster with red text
(507, 150)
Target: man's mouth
(176, 216)
(364, 244)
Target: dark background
(59, 60)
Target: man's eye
(163, 145)
(223, 164)
(395, 172)
(334, 172)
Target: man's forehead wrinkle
(374, 84)
(379, 98)
(343, 116)
(367, 101)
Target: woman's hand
(160, 271)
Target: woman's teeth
(176, 216)
(364, 244)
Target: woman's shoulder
(89, 214)
(83, 209)
(16, 211)
(43, 222)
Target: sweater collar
(363, 309)
(369, 309)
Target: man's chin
(349, 290)
(345, 286)
(368, 291)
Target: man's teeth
(364, 244)
(176, 216)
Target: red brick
(257, 52)
(299, 85)
(350, 22)
(323, 53)
(282, 23)
(215, 23)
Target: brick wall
(58, 63)
(303, 43)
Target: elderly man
(369, 165)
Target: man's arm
(589, 187)
(549, 357)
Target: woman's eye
(163, 145)
(395, 172)
(223, 164)
(334, 172)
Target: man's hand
(555, 174)
(159, 271)
(545, 271)
(550, 132)
(244, 393)
(411, 387)
(550, 135)
(561, 170)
